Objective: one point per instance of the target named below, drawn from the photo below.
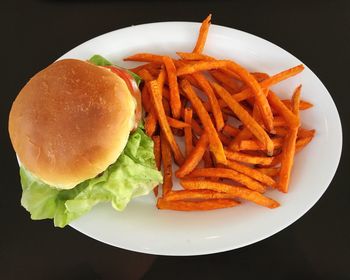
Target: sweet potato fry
(251, 172)
(282, 109)
(161, 79)
(196, 205)
(239, 192)
(214, 140)
(150, 123)
(260, 76)
(230, 130)
(176, 123)
(235, 144)
(304, 105)
(161, 117)
(303, 133)
(247, 93)
(145, 98)
(167, 168)
(188, 130)
(272, 171)
(145, 57)
(194, 157)
(200, 66)
(208, 161)
(215, 108)
(196, 127)
(202, 37)
(245, 118)
(157, 156)
(174, 89)
(196, 195)
(145, 75)
(288, 149)
(252, 145)
(225, 173)
(279, 121)
(248, 158)
(226, 80)
(194, 56)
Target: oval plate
(144, 228)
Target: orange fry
(229, 174)
(145, 57)
(202, 37)
(272, 171)
(174, 89)
(194, 157)
(197, 195)
(215, 108)
(200, 66)
(196, 205)
(247, 93)
(167, 168)
(145, 75)
(188, 130)
(251, 145)
(157, 156)
(288, 149)
(214, 140)
(208, 161)
(239, 192)
(230, 130)
(304, 105)
(176, 123)
(194, 56)
(248, 158)
(251, 172)
(226, 80)
(245, 118)
(161, 117)
(150, 123)
(283, 110)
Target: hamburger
(77, 132)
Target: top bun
(71, 121)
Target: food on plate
(77, 132)
(240, 138)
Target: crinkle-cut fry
(176, 123)
(245, 118)
(241, 157)
(269, 171)
(288, 149)
(252, 145)
(304, 105)
(209, 92)
(194, 157)
(247, 93)
(225, 173)
(157, 156)
(188, 113)
(167, 165)
(226, 80)
(204, 205)
(260, 97)
(145, 75)
(252, 172)
(239, 192)
(202, 36)
(162, 120)
(173, 86)
(230, 130)
(216, 146)
(283, 110)
(194, 56)
(151, 123)
(145, 57)
(196, 195)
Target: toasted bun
(71, 121)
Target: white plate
(143, 228)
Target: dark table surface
(35, 33)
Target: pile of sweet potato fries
(240, 137)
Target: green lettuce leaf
(101, 61)
(133, 174)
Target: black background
(35, 33)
